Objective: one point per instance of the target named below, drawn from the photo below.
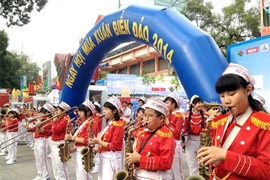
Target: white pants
(192, 147)
(81, 174)
(40, 153)
(49, 145)
(152, 175)
(12, 149)
(21, 129)
(97, 161)
(3, 138)
(110, 163)
(177, 166)
(60, 170)
(30, 137)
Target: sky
(60, 25)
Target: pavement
(25, 168)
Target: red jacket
(84, 131)
(114, 136)
(248, 156)
(195, 123)
(59, 128)
(12, 125)
(47, 127)
(175, 124)
(158, 153)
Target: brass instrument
(213, 106)
(64, 149)
(71, 110)
(88, 153)
(127, 173)
(38, 124)
(205, 140)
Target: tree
(3, 42)
(236, 23)
(17, 13)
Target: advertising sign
(255, 56)
(265, 17)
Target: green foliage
(3, 42)
(17, 13)
(13, 65)
(235, 24)
(175, 81)
(102, 75)
(160, 78)
(147, 79)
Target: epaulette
(178, 115)
(119, 123)
(261, 119)
(165, 132)
(140, 131)
(219, 120)
(67, 118)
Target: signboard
(255, 56)
(265, 17)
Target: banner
(265, 17)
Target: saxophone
(205, 140)
(88, 153)
(127, 173)
(64, 149)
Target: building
(135, 58)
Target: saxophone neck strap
(145, 142)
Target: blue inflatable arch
(195, 56)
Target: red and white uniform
(156, 156)
(248, 143)
(193, 142)
(12, 131)
(58, 134)
(175, 125)
(3, 135)
(111, 155)
(40, 148)
(83, 132)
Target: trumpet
(37, 126)
(71, 110)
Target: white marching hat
(48, 107)
(89, 104)
(14, 110)
(64, 106)
(143, 99)
(176, 98)
(259, 98)
(97, 104)
(114, 101)
(193, 97)
(240, 71)
(157, 105)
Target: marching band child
(110, 140)
(12, 131)
(59, 126)
(242, 142)
(174, 123)
(194, 123)
(80, 138)
(42, 133)
(155, 147)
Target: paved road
(25, 168)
